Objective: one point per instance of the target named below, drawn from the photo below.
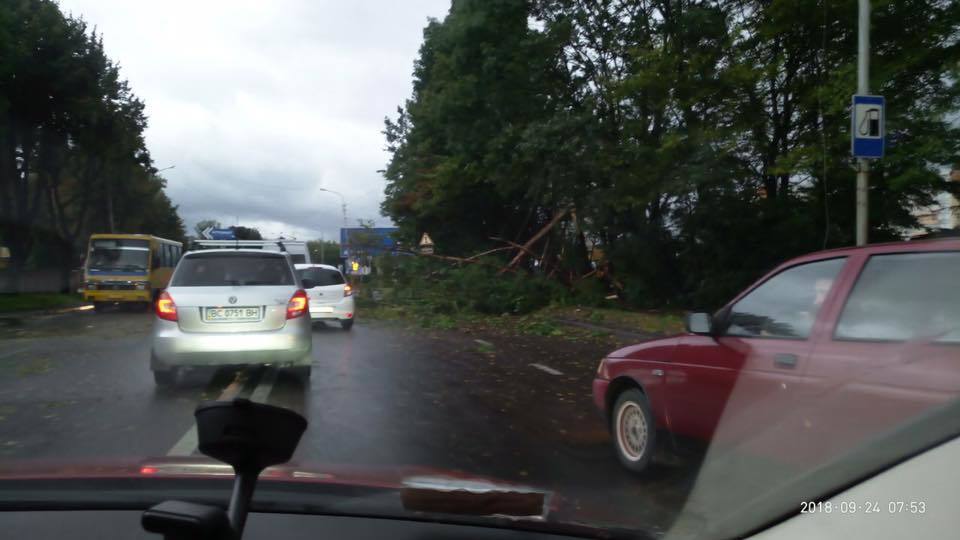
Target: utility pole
(863, 88)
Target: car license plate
(232, 314)
(323, 309)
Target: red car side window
(786, 305)
(904, 296)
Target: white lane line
(188, 443)
(262, 391)
(548, 369)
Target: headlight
(141, 285)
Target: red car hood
(200, 467)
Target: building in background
(941, 219)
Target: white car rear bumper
(342, 310)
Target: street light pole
(343, 203)
(863, 88)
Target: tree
(246, 233)
(696, 143)
(72, 155)
(483, 78)
(324, 252)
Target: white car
(331, 298)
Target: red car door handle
(786, 361)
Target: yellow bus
(128, 268)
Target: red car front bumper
(600, 395)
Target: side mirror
(308, 283)
(699, 323)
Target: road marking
(262, 392)
(188, 443)
(548, 369)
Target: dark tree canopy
(73, 160)
(694, 143)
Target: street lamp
(166, 168)
(343, 203)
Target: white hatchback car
(230, 307)
(331, 298)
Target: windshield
(118, 255)
(322, 276)
(656, 262)
(222, 269)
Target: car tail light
(297, 305)
(166, 308)
(347, 290)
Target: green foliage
(439, 288)
(698, 142)
(324, 252)
(73, 159)
(246, 233)
(37, 301)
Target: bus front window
(118, 256)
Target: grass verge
(10, 303)
(545, 322)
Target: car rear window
(220, 269)
(322, 276)
(905, 296)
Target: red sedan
(820, 354)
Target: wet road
(77, 386)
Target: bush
(438, 287)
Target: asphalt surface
(76, 386)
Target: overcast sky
(259, 104)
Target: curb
(630, 334)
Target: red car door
(893, 353)
(735, 385)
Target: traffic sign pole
(863, 88)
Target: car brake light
(297, 305)
(347, 290)
(166, 308)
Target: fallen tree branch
(459, 260)
(513, 245)
(488, 252)
(533, 240)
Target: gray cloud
(260, 103)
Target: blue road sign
(867, 131)
(222, 234)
